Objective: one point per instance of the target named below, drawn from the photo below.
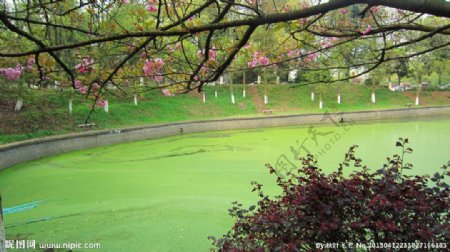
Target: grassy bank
(45, 112)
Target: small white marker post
(19, 104)
(106, 107)
(339, 99)
(135, 99)
(278, 79)
(70, 106)
(204, 97)
(373, 98)
(321, 104)
(221, 80)
(266, 99)
(232, 99)
(417, 100)
(259, 79)
(141, 81)
(312, 96)
(243, 93)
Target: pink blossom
(30, 63)
(100, 103)
(312, 56)
(159, 63)
(305, 5)
(83, 89)
(343, 11)
(248, 46)
(152, 67)
(293, 53)
(158, 78)
(85, 66)
(152, 8)
(167, 92)
(325, 44)
(200, 54)
(374, 9)
(78, 84)
(252, 64)
(95, 85)
(212, 54)
(11, 73)
(264, 61)
(367, 30)
(125, 1)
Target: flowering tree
(96, 41)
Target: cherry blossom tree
(92, 45)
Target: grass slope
(45, 111)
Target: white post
(417, 100)
(232, 99)
(321, 104)
(278, 79)
(373, 98)
(2, 229)
(70, 106)
(106, 107)
(312, 96)
(266, 99)
(221, 80)
(141, 81)
(135, 99)
(19, 104)
(215, 93)
(339, 99)
(204, 96)
(259, 79)
(243, 93)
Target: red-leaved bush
(363, 207)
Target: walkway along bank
(14, 153)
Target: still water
(170, 194)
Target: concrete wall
(15, 153)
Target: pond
(170, 194)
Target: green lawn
(45, 112)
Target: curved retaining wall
(15, 153)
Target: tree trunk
(2, 229)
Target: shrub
(364, 207)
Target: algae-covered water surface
(170, 194)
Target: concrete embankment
(14, 153)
